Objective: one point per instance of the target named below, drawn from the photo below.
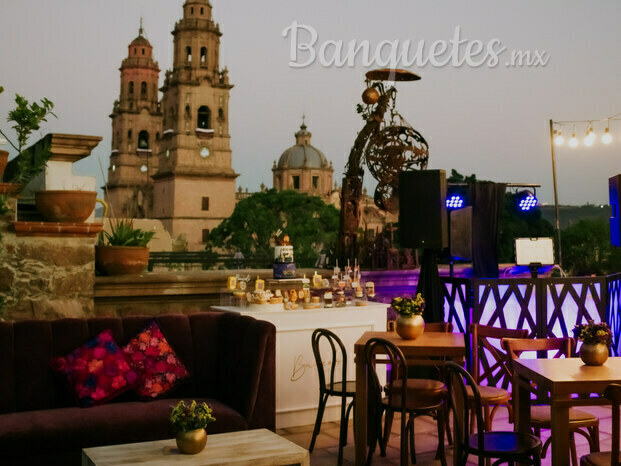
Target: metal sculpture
(387, 144)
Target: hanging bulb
(559, 140)
(573, 142)
(607, 137)
(590, 137)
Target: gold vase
(594, 354)
(192, 441)
(410, 328)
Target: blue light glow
(527, 202)
(455, 202)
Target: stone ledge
(54, 229)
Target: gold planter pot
(410, 328)
(594, 355)
(192, 441)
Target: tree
(587, 249)
(311, 224)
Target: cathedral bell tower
(136, 133)
(194, 188)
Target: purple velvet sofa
(231, 359)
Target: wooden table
(561, 378)
(250, 447)
(442, 345)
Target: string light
(559, 140)
(607, 137)
(573, 142)
(590, 137)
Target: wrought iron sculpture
(387, 144)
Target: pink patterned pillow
(152, 357)
(97, 371)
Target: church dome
(140, 41)
(303, 154)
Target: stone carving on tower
(136, 132)
(194, 187)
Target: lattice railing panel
(571, 301)
(456, 293)
(613, 314)
(506, 303)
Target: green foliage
(124, 234)
(587, 249)
(457, 177)
(196, 416)
(408, 307)
(26, 118)
(311, 224)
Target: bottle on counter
(327, 300)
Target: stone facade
(46, 278)
(185, 178)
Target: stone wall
(45, 277)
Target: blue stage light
(526, 201)
(454, 202)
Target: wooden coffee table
(249, 447)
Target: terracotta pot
(65, 206)
(121, 260)
(410, 328)
(594, 354)
(192, 442)
(4, 159)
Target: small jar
(327, 299)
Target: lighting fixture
(454, 202)
(559, 140)
(573, 142)
(607, 137)
(526, 201)
(590, 137)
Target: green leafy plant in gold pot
(189, 422)
(123, 250)
(410, 323)
(596, 340)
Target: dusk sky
(491, 121)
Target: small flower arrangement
(185, 418)
(408, 307)
(593, 333)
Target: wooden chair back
(439, 327)
(489, 359)
(560, 348)
(399, 371)
(613, 393)
(337, 354)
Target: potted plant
(189, 423)
(410, 323)
(123, 250)
(596, 340)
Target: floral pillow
(152, 357)
(97, 371)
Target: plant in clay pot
(124, 249)
(596, 340)
(190, 422)
(410, 323)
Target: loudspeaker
(614, 192)
(461, 233)
(422, 209)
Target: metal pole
(556, 210)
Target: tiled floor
(326, 446)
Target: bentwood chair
(490, 371)
(612, 393)
(333, 385)
(425, 387)
(398, 398)
(504, 446)
(540, 416)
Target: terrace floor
(326, 445)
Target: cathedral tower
(194, 188)
(136, 132)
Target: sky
(492, 121)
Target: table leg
(521, 404)
(360, 428)
(559, 409)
